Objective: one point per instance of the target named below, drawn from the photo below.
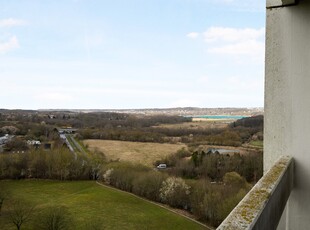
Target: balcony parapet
(280, 3)
(263, 206)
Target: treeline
(213, 166)
(22, 122)
(236, 134)
(128, 127)
(226, 136)
(112, 126)
(122, 134)
(209, 202)
(103, 120)
(252, 122)
(58, 164)
(30, 131)
(113, 120)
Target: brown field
(138, 152)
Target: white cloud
(9, 22)
(192, 35)
(11, 44)
(250, 47)
(236, 42)
(214, 34)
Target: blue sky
(84, 54)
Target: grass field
(258, 144)
(89, 202)
(138, 152)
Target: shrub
(107, 176)
(148, 184)
(55, 218)
(175, 192)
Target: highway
(73, 145)
(64, 137)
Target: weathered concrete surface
(287, 102)
(279, 3)
(262, 207)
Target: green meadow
(258, 144)
(88, 202)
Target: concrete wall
(277, 3)
(287, 103)
(262, 207)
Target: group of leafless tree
(59, 163)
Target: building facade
(287, 101)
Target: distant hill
(182, 111)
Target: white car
(162, 166)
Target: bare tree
(20, 213)
(55, 218)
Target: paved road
(76, 144)
(64, 137)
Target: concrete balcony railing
(263, 206)
(280, 3)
